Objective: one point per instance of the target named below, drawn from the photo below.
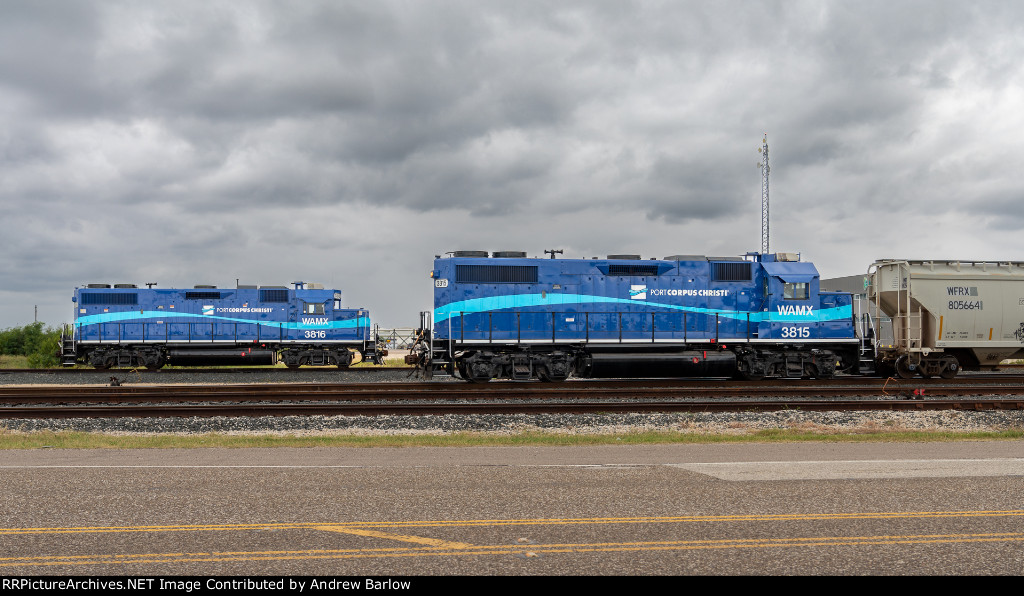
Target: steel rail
(74, 394)
(80, 395)
(208, 370)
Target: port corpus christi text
(191, 584)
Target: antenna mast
(764, 194)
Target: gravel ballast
(731, 423)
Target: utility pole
(764, 193)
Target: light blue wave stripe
(136, 317)
(578, 301)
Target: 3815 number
(794, 332)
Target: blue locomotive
(129, 326)
(508, 316)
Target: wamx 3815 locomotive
(507, 316)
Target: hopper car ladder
(907, 319)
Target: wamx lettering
(790, 310)
(317, 321)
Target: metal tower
(764, 194)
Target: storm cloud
(349, 142)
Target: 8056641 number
(965, 305)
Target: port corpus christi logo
(641, 292)
(209, 309)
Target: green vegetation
(14, 439)
(393, 360)
(38, 346)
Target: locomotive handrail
(621, 334)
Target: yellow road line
(510, 550)
(338, 527)
(414, 539)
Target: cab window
(797, 291)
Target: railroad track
(208, 370)
(435, 398)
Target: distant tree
(39, 344)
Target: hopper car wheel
(950, 371)
(903, 368)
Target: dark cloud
(352, 141)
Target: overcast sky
(347, 143)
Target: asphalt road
(799, 509)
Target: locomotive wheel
(292, 366)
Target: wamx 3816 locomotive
(507, 316)
(128, 326)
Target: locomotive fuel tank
(686, 363)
